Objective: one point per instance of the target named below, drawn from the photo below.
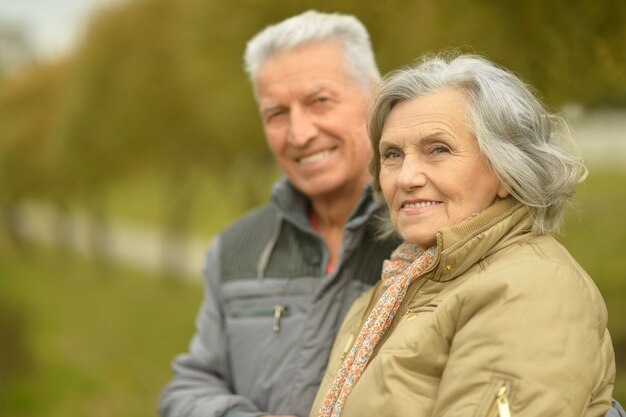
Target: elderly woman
(480, 312)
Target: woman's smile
(433, 174)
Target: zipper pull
(503, 402)
(500, 405)
(278, 312)
(348, 346)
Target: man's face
(314, 115)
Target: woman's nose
(411, 173)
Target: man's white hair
(311, 27)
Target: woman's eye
(440, 150)
(391, 154)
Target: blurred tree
(562, 48)
(144, 98)
(158, 87)
(212, 37)
(28, 110)
(131, 108)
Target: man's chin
(317, 188)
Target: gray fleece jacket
(271, 312)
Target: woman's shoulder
(534, 258)
(539, 270)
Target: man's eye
(278, 113)
(320, 101)
(275, 114)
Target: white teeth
(314, 158)
(420, 204)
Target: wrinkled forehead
(304, 68)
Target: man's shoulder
(254, 219)
(257, 225)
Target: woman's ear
(502, 191)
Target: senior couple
(426, 285)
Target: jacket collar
(463, 245)
(294, 206)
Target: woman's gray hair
(530, 150)
(310, 27)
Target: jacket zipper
(500, 404)
(278, 311)
(399, 313)
(355, 332)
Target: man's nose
(302, 127)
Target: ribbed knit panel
(372, 253)
(296, 253)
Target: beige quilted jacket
(507, 323)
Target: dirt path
(122, 242)
(602, 137)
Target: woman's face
(432, 172)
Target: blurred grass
(98, 342)
(595, 234)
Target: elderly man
(279, 281)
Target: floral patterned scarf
(405, 264)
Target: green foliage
(158, 86)
(127, 108)
(28, 108)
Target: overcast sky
(52, 26)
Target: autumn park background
(150, 125)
